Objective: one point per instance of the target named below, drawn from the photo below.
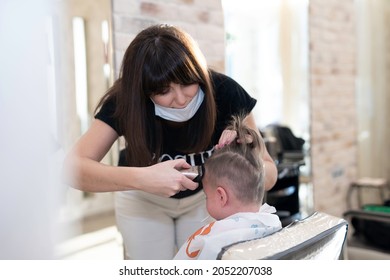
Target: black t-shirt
(231, 99)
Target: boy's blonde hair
(240, 163)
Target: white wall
(28, 189)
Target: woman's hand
(229, 136)
(165, 178)
(226, 138)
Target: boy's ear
(222, 196)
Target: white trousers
(154, 227)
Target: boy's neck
(241, 208)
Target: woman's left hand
(229, 136)
(226, 138)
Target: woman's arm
(84, 171)
(271, 172)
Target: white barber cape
(207, 242)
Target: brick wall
(332, 106)
(203, 19)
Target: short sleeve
(106, 114)
(231, 98)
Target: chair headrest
(318, 236)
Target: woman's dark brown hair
(160, 55)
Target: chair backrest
(319, 236)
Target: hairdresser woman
(172, 111)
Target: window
(267, 53)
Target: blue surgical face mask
(180, 114)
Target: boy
(233, 182)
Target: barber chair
(319, 236)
